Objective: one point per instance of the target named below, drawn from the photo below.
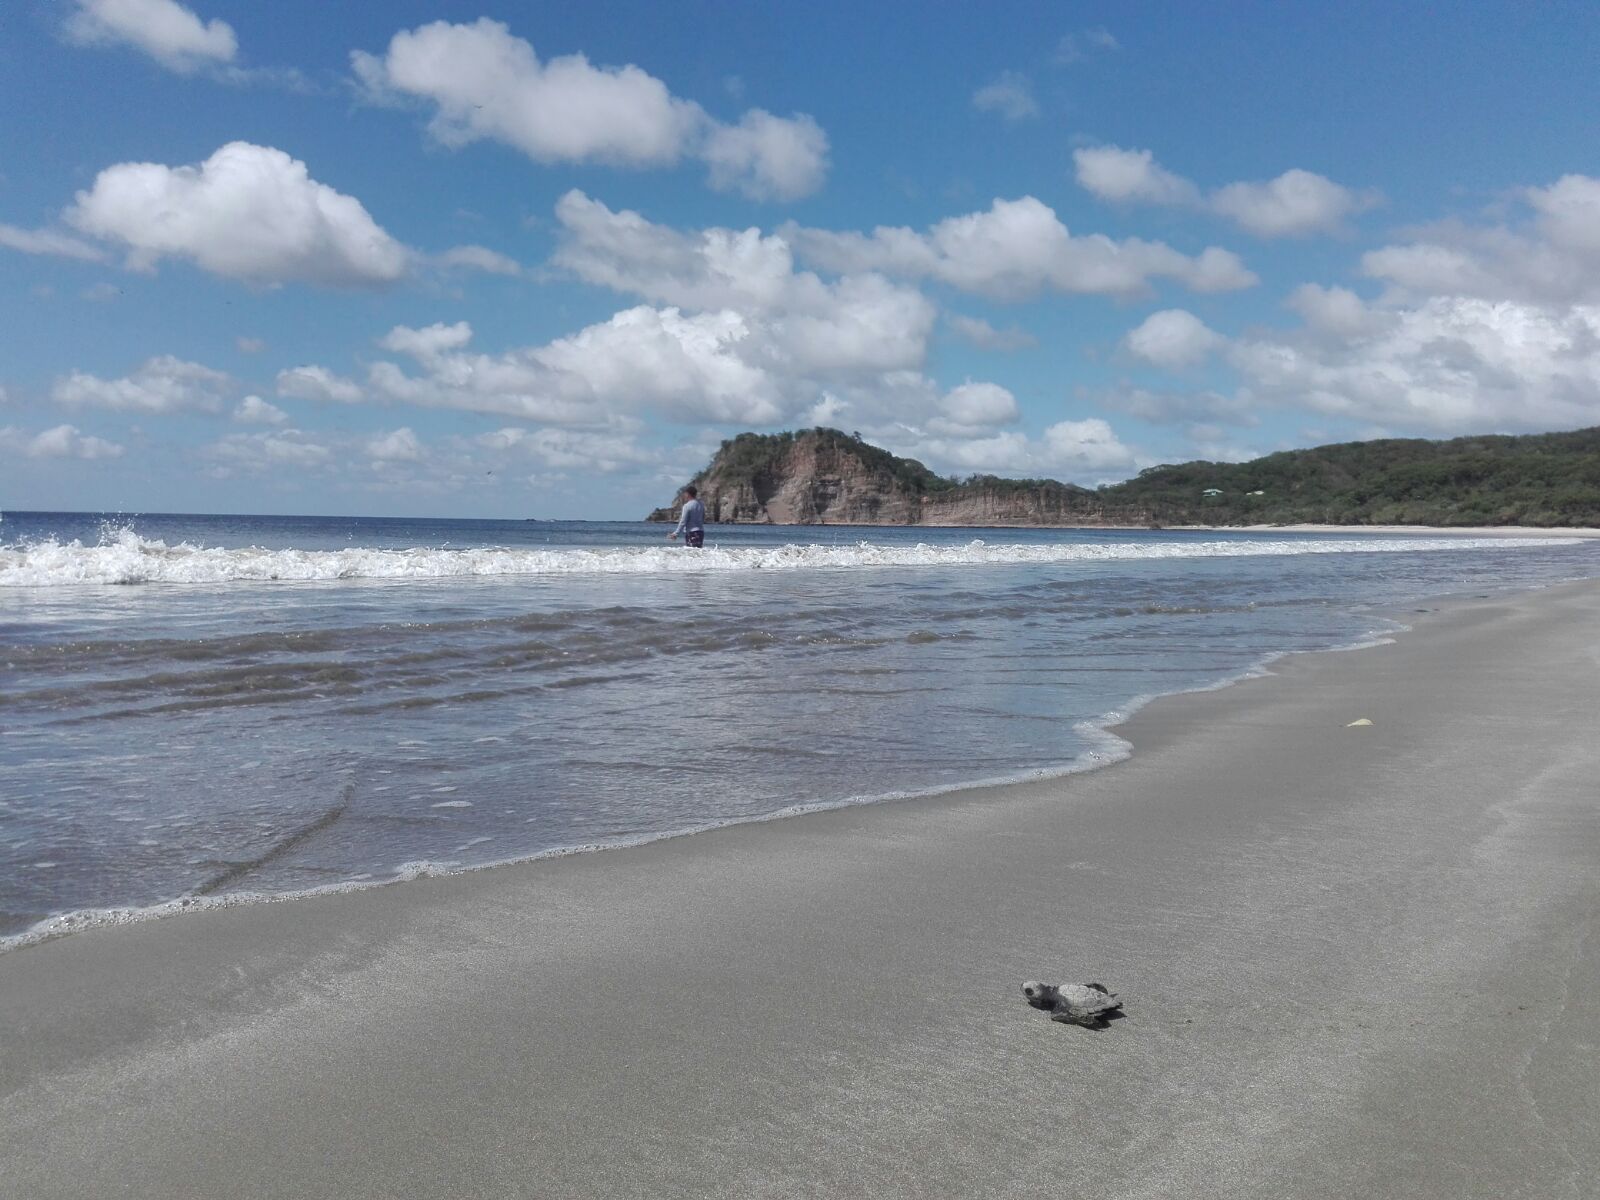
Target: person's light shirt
(693, 517)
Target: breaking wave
(126, 558)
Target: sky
(520, 260)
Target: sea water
(258, 706)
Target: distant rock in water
(825, 477)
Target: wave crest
(123, 557)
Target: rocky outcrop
(825, 477)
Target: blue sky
(519, 260)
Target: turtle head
(1040, 995)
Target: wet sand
(1357, 961)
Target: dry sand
(1357, 962)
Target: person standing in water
(691, 521)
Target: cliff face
(827, 477)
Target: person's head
(690, 491)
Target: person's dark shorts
(694, 537)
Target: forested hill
(1549, 479)
(825, 476)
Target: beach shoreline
(1357, 960)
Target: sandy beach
(1357, 961)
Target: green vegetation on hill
(752, 457)
(1548, 479)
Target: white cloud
(248, 212)
(168, 32)
(974, 410)
(1085, 447)
(429, 342)
(767, 157)
(1549, 257)
(1172, 338)
(796, 324)
(985, 336)
(1130, 177)
(45, 241)
(1449, 365)
(1086, 450)
(161, 385)
(572, 450)
(686, 366)
(486, 83)
(1295, 204)
(401, 445)
(318, 383)
(480, 258)
(250, 345)
(253, 410)
(1076, 47)
(64, 441)
(1569, 213)
(1492, 327)
(642, 358)
(264, 453)
(1333, 310)
(1010, 94)
(1017, 249)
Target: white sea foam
(127, 558)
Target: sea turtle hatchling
(1086, 1004)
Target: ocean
(205, 709)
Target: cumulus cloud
(663, 360)
(248, 212)
(1017, 249)
(484, 83)
(986, 337)
(253, 410)
(318, 383)
(266, 453)
(1010, 94)
(794, 323)
(1547, 252)
(1333, 310)
(47, 241)
(572, 450)
(974, 410)
(1079, 451)
(163, 384)
(767, 157)
(400, 445)
(1172, 338)
(1448, 365)
(64, 441)
(1296, 203)
(1130, 177)
(165, 30)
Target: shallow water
(216, 705)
